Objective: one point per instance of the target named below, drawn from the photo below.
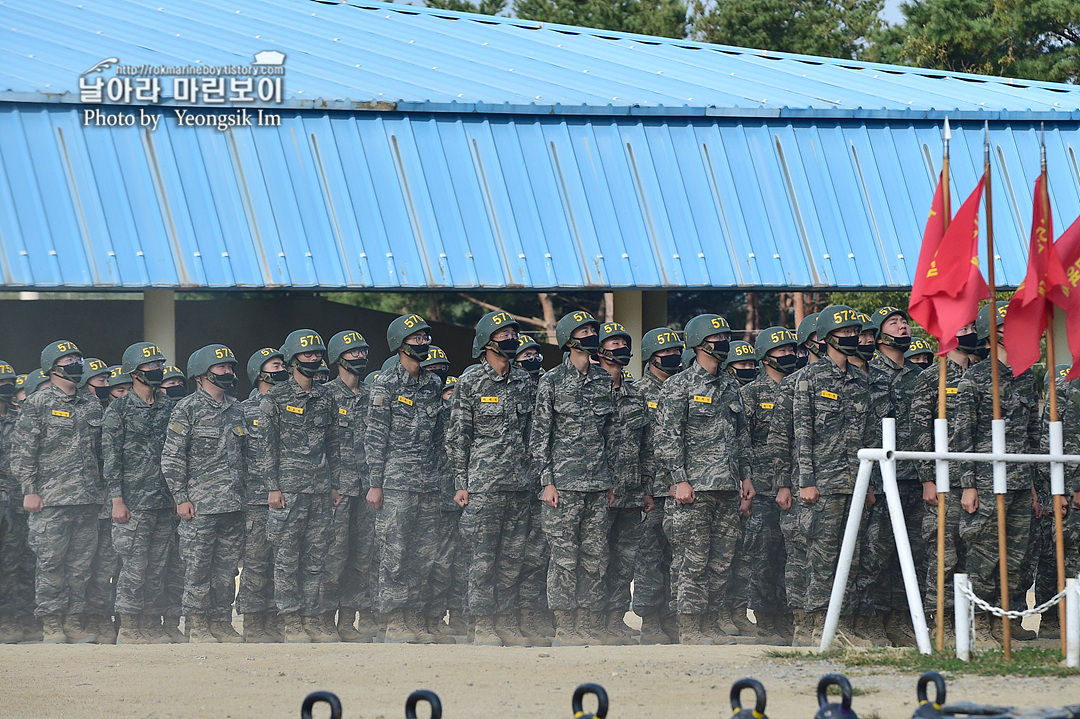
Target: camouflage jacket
(9, 488)
(403, 425)
(490, 415)
(447, 482)
(781, 441)
(572, 429)
(349, 417)
(656, 484)
(974, 414)
(294, 439)
(132, 435)
(701, 430)
(628, 445)
(759, 398)
(256, 490)
(897, 384)
(1069, 416)
(924, 410)
(203, 456)
(56, 448)
(833, 421)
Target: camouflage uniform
(570, 442)
(652, 573)
(16, 559)
(794, 521)
(625, 513)
(1020, 410)
(256, 592)
(1069, 414)
(403, 460)
(489, 418)
(446, 581)
(55, 451)
(295, 436)
(703, 439)
(203, 463)
(532, 587)
(133, 434)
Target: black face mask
(322, 379)
(744, 374)
(802, 360)
(71, 372)
(968, 342)
(177, 391)
(356, 366)
(620, 356)
(982, 352)
(153, 377)
(669, 364)
(7, 391)
(718, 349)
(845, 345)
(866, 352)
(785, 364)
(920, 365)
(103, 393)
(308, 369)
(417, 352)
(587, 344)
(441, 372)
(901, 343)
(507, 348)
(224, 381)
(532, 365)
(282, 375)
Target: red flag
(1030, 307)
(919, 309)
(951, 287)
(1067, 296)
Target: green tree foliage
(1036, 39)
(665, 18)
(483, 7)
(833, 28)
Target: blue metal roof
(494, 153)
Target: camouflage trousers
(794, 526)
(532, 590)
(763, 549)
(891, 594)
(624, 536)
(405, 527)
(495, 530)
(143, 545)
(738, 591)
(955, 552)
(448, 569)
(347, 570)
(172, 599)
(875, 539)
(64, 540)
(1071, 532)
(652, 570)
(300, 534)
(16, 562)
(256, 592)
(577, 535)
(704, 535)
(979, 532)
(824, 522)
(101, 591)
(210, 545)
(1039, 567)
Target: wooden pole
(995, 382)
(939, 620)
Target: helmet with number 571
(571, 321)
(490, 324)
(300, 341)
(982, 320)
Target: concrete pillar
(159, 323)
(1062, 355)
(639, 312)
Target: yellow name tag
(60, 413)
(766, 405)
(294, 410)
(404, 400)
(829, 395)
(952, 390)
(342, 411)
(704, 400)
(489, 400)
(652, 405)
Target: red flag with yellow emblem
(1067, 295)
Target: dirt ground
(373, 680)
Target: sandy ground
(373, 681)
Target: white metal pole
(1057, 469)
(847, 551)
(941, 444)
(1072, 622)
(903, 544)
(963, 616)
(997, 443)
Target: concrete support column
(159, 323)
(1062, 355)
(640, 312)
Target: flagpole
(939, 621)
(995, 381)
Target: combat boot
(484, 634)
(129, 630)
(847, 632)
(802, 629)
(294, 629)
(73, 628)
(984, 637)
(198, 629)
(507, 629)
(740, 619)
(669, 622)
(224, 631)
(437, 628)
(366, 625)
(528, 621)
(566, 634)
(546, 621)
(52, 630)
(414, 620)
(397, 631)
(725, 623)
(103, 627)
(1050, 625)
(255, 628)
(899, 631)
(10, 630)
(458, 625)
(1016, 631)
(590, 626)
(617, 627)
(275, 626)
(326, 621)
(315, 628)
(171, 627)
(31, 627)
(785, 626)
(690, 631)
(766, 629)
(651, 630)
(151, 630)
(815, 624)
(346, 630)
(710, 627)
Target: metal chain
(1012, 614)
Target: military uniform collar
(338, 382)
(702, 374)
(493, 374)
(207, 397)
(64, 396)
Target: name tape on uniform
(703, 400)
(829, 395)
(653, 405)
(294, 410)
(404, 400)
(489, 400)
(952, 390)
(342, 411)
(60, 413)
(767, 405)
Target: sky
(891, 13)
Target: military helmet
(614, 329)
(140, 353)
(702, 326)
(93, 367)
(1061, 370)
(661, 338)
(919, 346)
(435, 356)
(807, 327)
(478, 348)
(401, 328)
(524, 343)
(34, 380)
(390, 362)
(626, 374)
(7, 371)
(564, 330)
(449, 383)
(56, 350)
(982, 321)
(488, 325)
(884, 313)
(204, 358)
(771, 338)
(259, 358)
(117, 376)
(300, 341)
(173, 372)
(342, 342)
(688, 357)
(836, 317)
(740, 351)
(20, 382)
(372, 376)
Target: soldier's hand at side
(809, 495)
(374, 497)
(186, 510)
(746, 507)
(929, 493)
(648, 505)
(551, 495)
(871, 498)
(684, 493)
(970, 500)
(748, 492)
(120, 513)
(610, 497)
(1076, 499)
(461, 498)
(783, 498)
(32, 503)
(276, 500)
(335, 497)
